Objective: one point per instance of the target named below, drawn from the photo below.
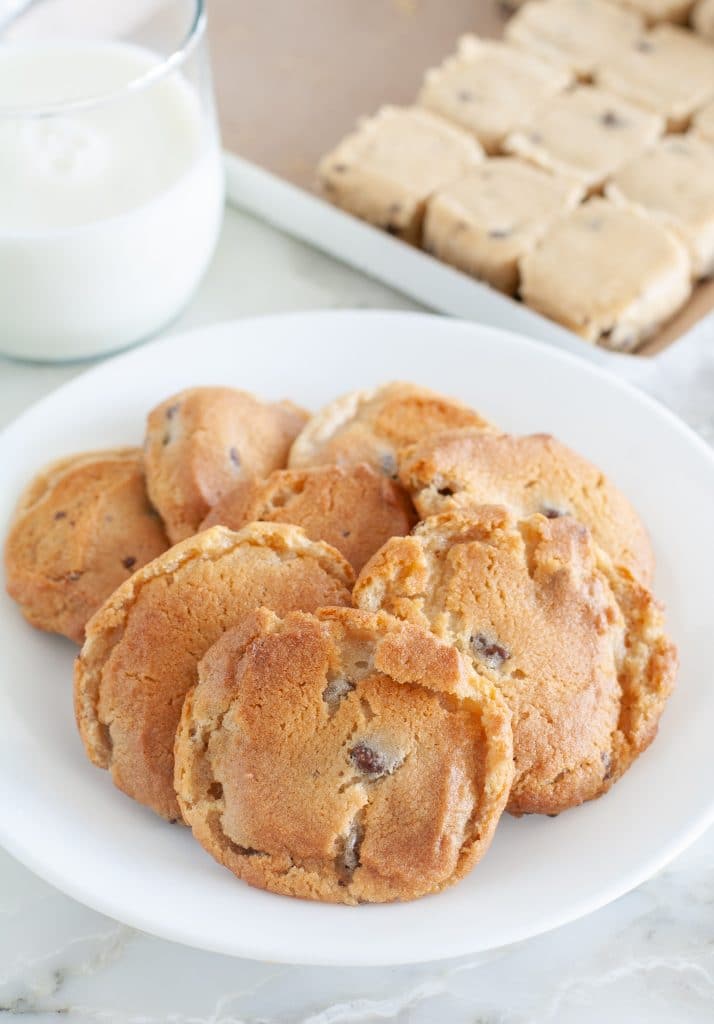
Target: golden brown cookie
(354, 508)
(342, 756)
(533, 473)
(371, 425)
(143, 645)
(201, 442)
(80, 529)
(575, 645)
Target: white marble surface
(649, 957)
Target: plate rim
(111, 906)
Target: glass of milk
(111, 182)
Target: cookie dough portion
(674, 181)
(573, 34)
(654, 11)
(704, 122)
(703, 19)
(342, 757)
(577, 648)
(611, 274)
(201, 442)
(668, 70)
(372, 425)
(585, 134)
(485, 222)
(355, 509)
(387, 169)
(143, 645)
(489, 88)
(82, 527)
(461, 469)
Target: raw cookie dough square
(608, 273)
(575, 34)
(704, 122)
(674, 181)
(488, 88)
(484, 222)
(654, 11)
(585, 134)
(668, 70)
(703, 18)
(385, 171)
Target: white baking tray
(414, 273)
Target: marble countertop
(649, 957)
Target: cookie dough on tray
(585, 134)
(703, 18)
(654, 11)
(703, 124)
(674, 181)
(484, 222)
(574, 34)
(610, 274)
(385, 171)
(668, 70)
(489, 88)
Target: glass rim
(164, 67)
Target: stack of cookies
(340, 647)
(571, 165)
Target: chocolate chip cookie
(201, 442)
(576, 646)
(371, 425)
(81, 528)
(354, 508)
(529, 474)
(342, 756)
(143, 645)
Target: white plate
(64, 819)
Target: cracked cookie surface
(354, 508)
(203, 441)
(81, 528)
(371, 425)
(342, 756)
(143, 646)
(576, 646)
(529, 474)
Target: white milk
(108, 213)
